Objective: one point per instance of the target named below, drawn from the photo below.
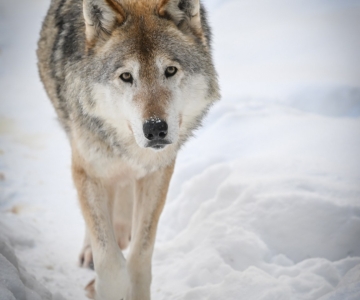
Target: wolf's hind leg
(86, 257)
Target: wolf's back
(61, 44)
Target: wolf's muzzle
(155, 130)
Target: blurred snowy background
(265, 201)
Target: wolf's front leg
(149, 202)
(111, 275)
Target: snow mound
(270, 210)
(15, 282)
(278, 233)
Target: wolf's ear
(181, 11)
(101, 16)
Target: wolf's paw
(86, 258)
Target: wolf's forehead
(145, 40)
(152, 42)
(142, 7)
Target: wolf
(130, 81)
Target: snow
(264, 202)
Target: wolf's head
(152, 71)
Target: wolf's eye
(170, 71)
(126, 77)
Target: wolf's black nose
(155, 129)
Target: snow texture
(264, 202)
